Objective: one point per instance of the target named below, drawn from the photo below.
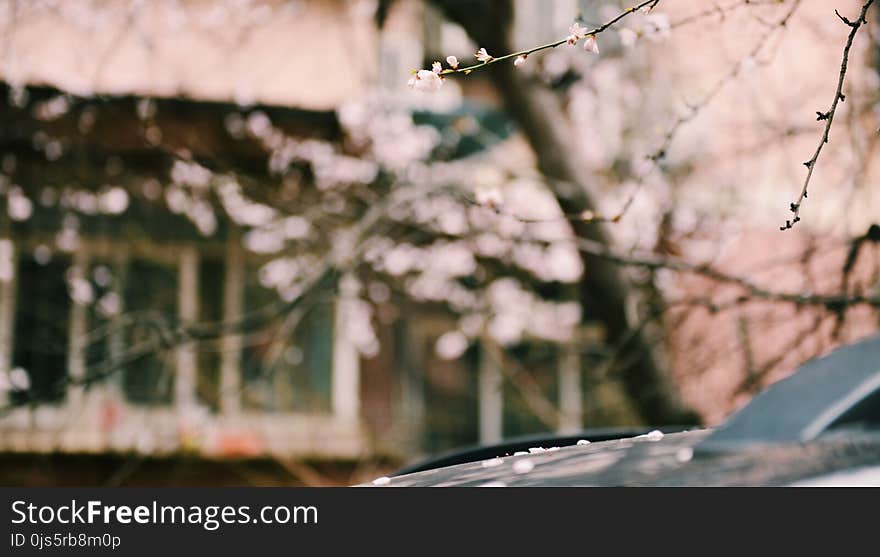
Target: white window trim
(571, 404)
(76, 336)
(186, 356)
(491, 399)
(346, 362)
(231, 343)
(7, 320)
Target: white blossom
(241, 209)
(359, 326)
(426, 81)
(19, 379)
(401, 259)
(628, 36)
(42, 255)
(379, 292)
(483, 56)
(81, 290)
(590, 44)
(489, 196)
(67, 239)
(523, 466)
(576, 33)
(563, 262)
(436, 67)
(191, 174)
(451, 345)
(263, 241)
(657, 27)
(685, 454)
(452, 61)
(296, 227)
(110, 304)
(18, 206)
(520, 60)
(53, 108)
(113, 201)
(471, 324)
(451, 259)
(507, 329)
(102, 276)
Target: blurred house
(113, 116)
(107, 105)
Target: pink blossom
(426, 81)
(576, 33)
(490, 197)
(628, 37)
(590, 44)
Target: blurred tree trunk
(604, 290)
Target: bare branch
(828, 117)
(647, 4)
(752, 290)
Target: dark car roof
(823, 419)
(652, 460)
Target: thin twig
(720, 11)
(694, 109)
(752, 291)
(828, 116)
(650, 4)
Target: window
(541, 362)
(40, 337)
(451, 397)
(103, 339)
(211, 284)
(150, 293)
(287, 365)
(75, 315)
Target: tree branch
(828, 116)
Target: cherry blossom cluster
(656, 27)
(576, 33)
